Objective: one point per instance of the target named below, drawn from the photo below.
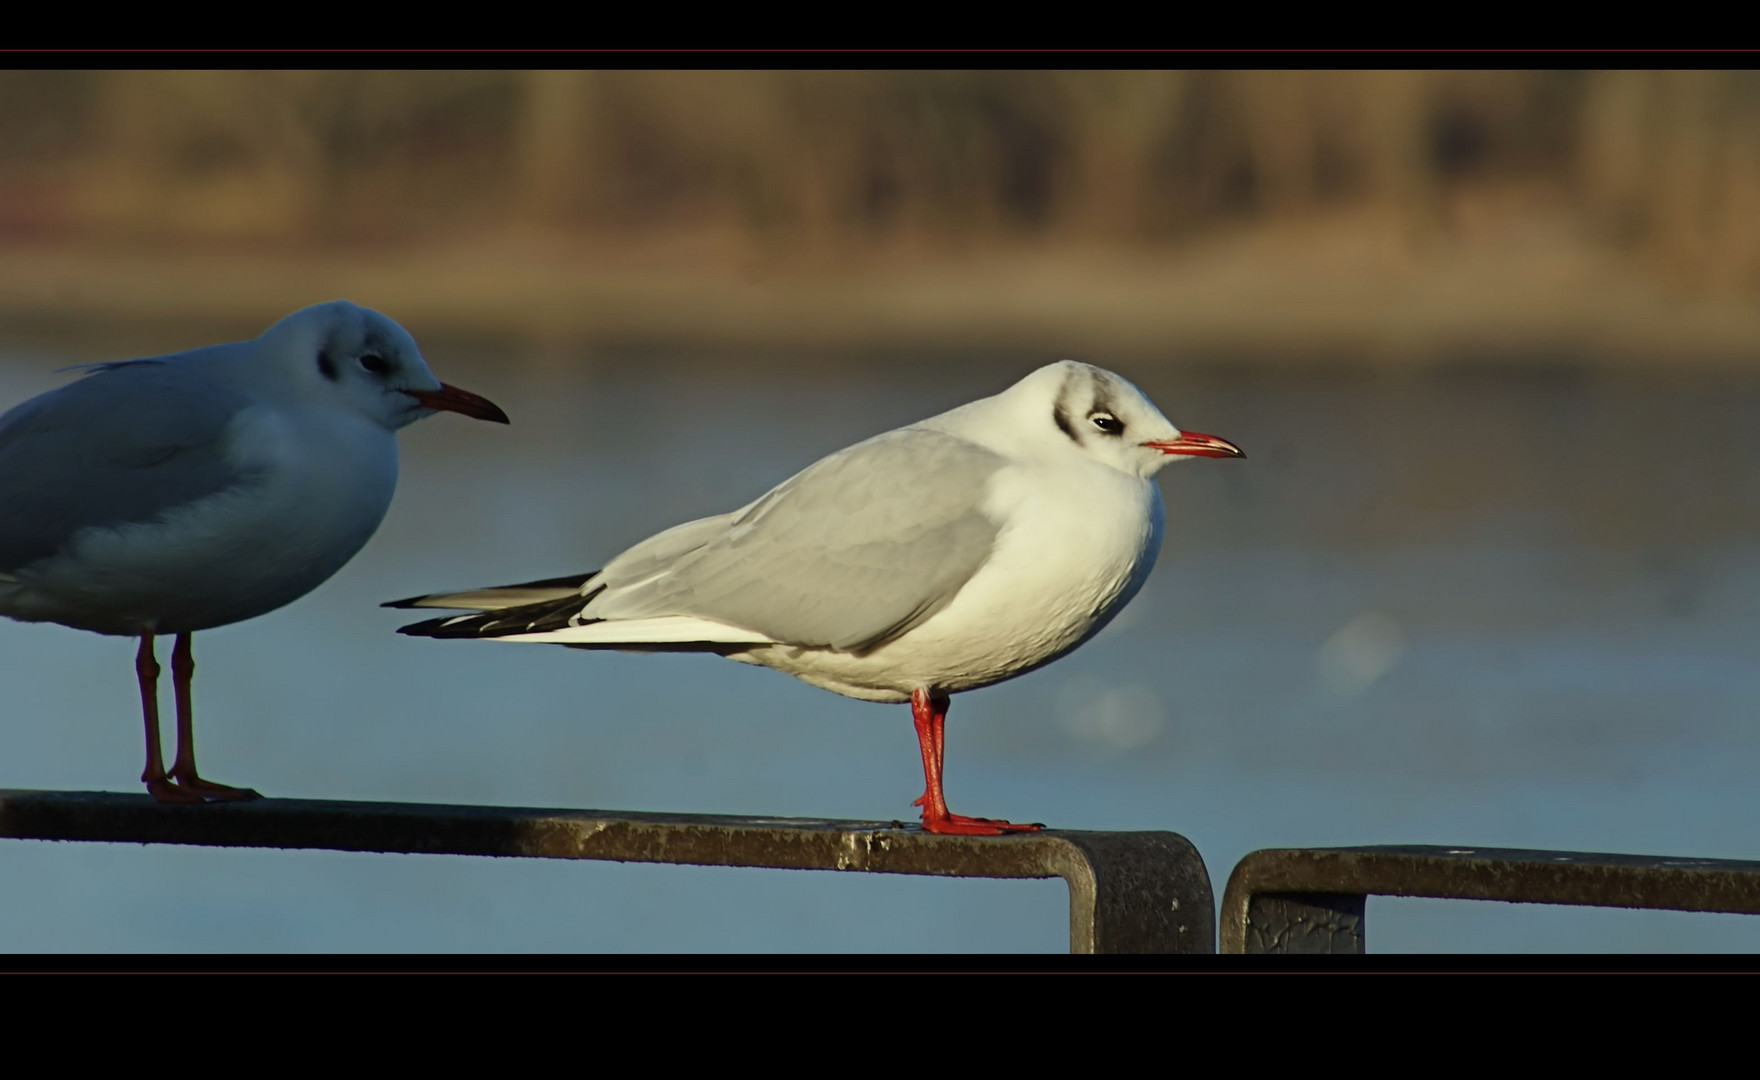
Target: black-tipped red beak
(1197, 444)
(452, 399)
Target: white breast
(1077, 544)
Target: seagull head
(358, 359)
(1101, 415)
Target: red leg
(927, 719)
(146, 670)
(937, 745)
(929, 713)
(183, 769)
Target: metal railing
(1312, 900)
(1129, 892)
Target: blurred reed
(842, 164)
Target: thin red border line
(936, 50)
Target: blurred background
(1488, 576)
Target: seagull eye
(375, 364)
(1107, 422)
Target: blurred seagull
(940, 557)
(177, 493)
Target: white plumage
(183, 492)
(944, 556)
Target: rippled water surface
(1515, 607)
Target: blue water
(1511, 607)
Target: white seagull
(950, 554)
(177, 493)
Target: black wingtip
(502, 622)
(425, 628)
(407, 602)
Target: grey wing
(850, 553)
(661, 553)
(120, 446)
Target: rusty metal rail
(1312, 900)
(1128, 891)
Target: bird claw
(195, 790)
(961, 825)
(167, 792)
(209, 791)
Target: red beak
(1197, 444)
(452, 399)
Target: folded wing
(121, 446)
(848, 554)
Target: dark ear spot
(1061, 415)
(327, 365)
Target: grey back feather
(120, 446)
(849, 553)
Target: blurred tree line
(1664, 163)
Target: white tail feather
(493, 599)
(661, 630)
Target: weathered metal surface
(1135, 892)
(1129, 891)
(1312, 899)
(1305, 923)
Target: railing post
(1303, 923)
(1312, 900)
(1145, 892)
